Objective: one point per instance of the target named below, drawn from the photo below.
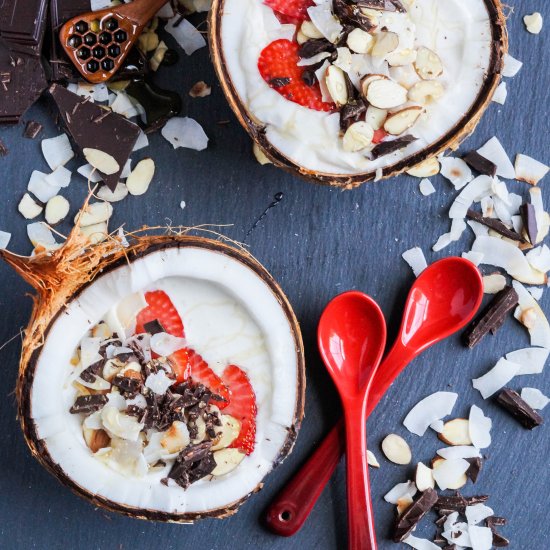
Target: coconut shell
(449, 141)
(59, 277)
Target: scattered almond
(227, 432)
(456, 432)
(94, 213)
(359, 41)
(447, 473)
(141, 176)
(423, 477)
(96, 439)
(427, 168)
(226, 461)
(386, 42)
(386, 94)
(396, 449)
(95, 233)
(428, 64)
(309, 30)
(357, 137)
(401, 58)
(372, 460)
(100, 160)
(336, 85)
(401, 121)
(426, 91)
(57, 209)
(260, 155)
(375, 117)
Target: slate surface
(317, 242)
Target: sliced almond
(158, 56)
(372, 460)
(337, 85)
(456, 432)
(96, 233)
(375, 117)
(359, 41)
(357, 137)
(102, 161)
(201, 430)
(141, 176)
(426, 92)
(396, 449)
(120, 193)
(386, 42)
(57, 209)
(372, 14)
(493, 283)
(427, 168)
(401, 121)
(386, 94)
(401, 58)
(175, 438)
(423, 477)
(96, 439)
(261, 157)
(226, 461)
(200, 89)
(29, 208)
(309, 30)
(227, 432)
(428, 64)
(94, 213)
(368, 79)
(301, 38)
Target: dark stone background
(317, 242)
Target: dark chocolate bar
(24, 22)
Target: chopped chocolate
(279, 82)
(3, 149)
(385, 5)
(193, 463)
(492, 316)
(350, 113)
(475, 468)
(495, 225)
(387, 147)
(153, 327)
(441, 520)
(449, 547)
(457, 503)
(134, 410)
(309, 78)
(32, 129)
(89, 374)
(410, 518)
(480, 164)
(313, 47)
(529, 219)
(127, 385)
(499, 541)
(112, 134)
(351, 14)
(512, 402)
(495, 521)
(88, 404)
(476, 499)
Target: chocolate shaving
(499, 541)
(529, 219)
(492, 316)
(384, 5)
(475, 468)
(410, 518)
(387, 147)
(350, 113)
(88, 404)
(32, 129)
(279, 82)
(351, 14)
(495, 225)
(512, 402)
(127, 385)
(480, 164)
(89, 374)
(153, 327)
(495, 521)
(457, 503)
(313, 47)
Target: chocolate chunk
(495, 521)
(512, 402)
(529, 219)
(32, 129)
(311, 48)
(475, 468)
(88, 404)
(410, 518)
(499, 541)
(457, 503)
(3, 149)
(350, 113)
(153, 327)
(480, 164)
(351, 14)
(387, 147)
(24, 24)
(279, 82)
(492, 316)
(495, 225)
(126, 384)
(89, 374)
(384, 5)
(91, 126)
(308, 77)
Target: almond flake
(358, 40)
(386, 42)
(100, 160)
(28, 208)
(494, 283)
(426, 92)
(424, 477)
(336, 84)
(141, 176)
(95, 213)
(57, 209)
(396, 449)
(260, 155)
(375, 117)
(456, 432)
(427, 168)
(372, 460)
(401, 490)
(450, 474)
(428, 64)
(400, 121)
(386, 94)
(357, 137)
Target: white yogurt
(457, 30)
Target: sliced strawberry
(379, 135)
(295, 9)
(179, 361)
(160, 307)
(278, 65)
(287, 19)
(242, 406)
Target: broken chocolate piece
(480, 164)
(313, 47)
(279, 82)
(351, 14)
(153, 327)
(475, 468)
(89, 374)
(495, 225)
(495, 521)
(384, 5)
(3, 149)
(457, 503)
(529, 219)
(499, 541)
(410, 518)
(32, 129)
(91, 126)
(512, 402)
(387, 147)
(88, 404)
(350, 113)
(492, 316)
(126, 384)
(24, 25)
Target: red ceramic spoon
(442, 301)
(351, 338)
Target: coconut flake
(479, 229)
(40, 188)
(529, 170)
(141, 142)
(40, 235)
(93, 214)
(481, 538)
(494, 283)
(425, 187)
(496, 378)
(477, 513)
(447, 474)
(420, 544)
(539, 258)
(430, 409)
(401, 490)
(56, 210)
(536, 292)
(57, 151)
(315, 59)
(159, 382)
(540, 215)
(165, 344)
(415, 258)
(531, 360)
(501, 253)
(5, 238)
(186, 35)
(60, 177)
(538, 327)
(90, 173)
(28, 208)
(120, 424)
(494, 151)
(458, 226)
(533, 22)
(185, 132)
(458, 535)
(322, 17)
(456, 171)
(458, 451)
(511, 66)
(120, 193)
(437, 426)
(534, 398)
(475, 257)
(479, 427)
(501, 93)
(476, 190)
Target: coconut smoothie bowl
(347, 92)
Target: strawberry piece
(160, 307)
(295, 9)
(379, 135)
(242, 406)
(278, 65)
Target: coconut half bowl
(75, 289)
(237, 35)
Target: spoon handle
(361, 530)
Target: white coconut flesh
(232, 316)
(459, 31)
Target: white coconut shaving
(126, 170)
(437, 426)
(458, 226)
(90, 173)
(401, 490)
(447, 474)
(416, 260)
(479, 428)
(533, 22)
(186, 35)
(458, 535)
(476, 190)
(40, 188)
(57, 151)
(141, 142)
(494, 283)
(458, 451)
(531, 360)
(60, 177)
(534, 398)
(511, 66)
(481, 538)
(425, 187)
(304, 62)
(501, 93)
(529, 170)
(539, 258)
(479, 229)
(536, 292)
(456, 171)
(124, 105)
(159, 382)
(494, 151)
(120, 424)
(40, 235)
(501, 253)
(165, 344)
(476, 513)
(530, 314)
(540, 215)
(185, 132)
(475, 257)
(5, 239)
(496, 378)
(420, 544)
(322, 17)
(430, 409)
